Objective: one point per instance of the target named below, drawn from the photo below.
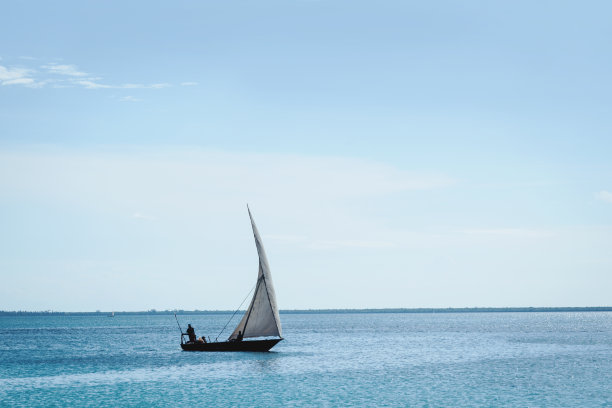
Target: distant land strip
(321, 311)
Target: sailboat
(260, 321)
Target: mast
(250, 308)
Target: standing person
(191, 333)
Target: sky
(393, 154)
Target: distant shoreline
(324, 311)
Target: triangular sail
(261, 318)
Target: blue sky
(394, 154)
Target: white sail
(261, 318)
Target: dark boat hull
(246, 345)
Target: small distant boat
(112, 314)
(261, 319)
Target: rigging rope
(234, 314)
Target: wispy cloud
(91, 84)
(60, 75)
(59, 69)
(16, 76)
(321, 182)
(18, 81)
(604, 195)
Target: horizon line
(321, 311)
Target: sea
(559, 359)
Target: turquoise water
(421, 360)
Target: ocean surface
(328, 360)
